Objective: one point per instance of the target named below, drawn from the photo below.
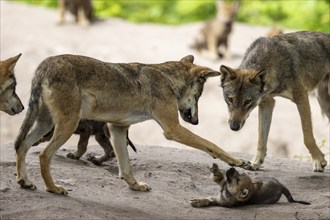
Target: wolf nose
(235, 126)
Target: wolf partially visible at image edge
(288, 65)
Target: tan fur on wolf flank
(287, 65)
(9, 101)
(82, 10)
(67, 88)
(216, 32)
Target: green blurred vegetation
(293, 14)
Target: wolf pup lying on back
(85, 129)
(9, 101)
(68, 88)
(288, 65)
(238, 189)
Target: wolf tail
(30, 116)
(323, 95)
(288, 195)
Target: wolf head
(240, 186)
(188, 102)
(9, 101)
(243, 90)
(226, 11)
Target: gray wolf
(68, 88)
(85, 129)
(82, 10)
(287, 65)
(239, 189)
(216, 32)
(9, 101)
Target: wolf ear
(11, 62)
(257, 186)
(258, 78)
(209, 73)
(188, 59)
(245, 193)
(227, 74)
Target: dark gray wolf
(82, 10)
(288, 65)
(68, 88)
(85, 129)
(239, 189)
(9, 101)
(216, 32)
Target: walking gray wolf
(287, 65)
(85, 129)
(215, 33)
(67, 88)
(82, 10)
(9, 101)
(239, 189)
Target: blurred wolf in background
(215, 33)
(82, 10)
(287, 65)
(9, 101)
(274, 31)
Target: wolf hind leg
(82, 144)
(42, 126)
(104, 142)
(323, 95)
(303, 106)
(64, 128)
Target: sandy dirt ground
(175, 172)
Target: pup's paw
(72, 156)
(140, 186)
(319, 164)
(58, 189)
(26, 184)
(94, 159)
(199, 203)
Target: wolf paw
(245, 165)
(94, 159)
(197, 203)
(72, 156)
(319, 165)
(26, 184)
(58, 189)
(140, 186)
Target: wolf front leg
(302, 102)
(266, 108)
(174, 131)
(209, 201)
(119, 142)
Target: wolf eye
(248, 102)
(230, 99)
